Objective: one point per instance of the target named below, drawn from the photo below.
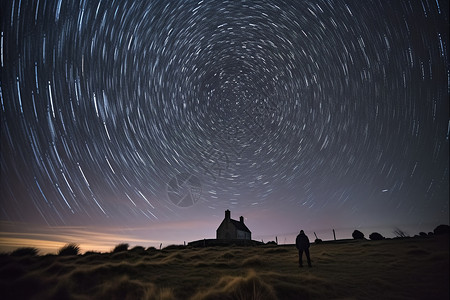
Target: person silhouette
(302, 244)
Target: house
(233, 229)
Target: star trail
(148, 114)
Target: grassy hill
(412, 268)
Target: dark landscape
(408, 268)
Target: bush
(151, 249)
(25, 251)
(69, 249)
(442, 229)
(358, 235)
(423, 234)
(138, 250)
(375, 236)
(121, 247)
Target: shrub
(138, 250)
(358, 235)
(25, 251)
(121, 247)
(442, 229)
(69, 249)
(151, 250)
(375, 236)
(423, 234)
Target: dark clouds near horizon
(309, 108)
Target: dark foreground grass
(390, 269)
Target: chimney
(241, 218)
(227, 215)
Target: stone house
(233, 229)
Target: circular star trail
(312, 107)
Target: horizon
(104, 241)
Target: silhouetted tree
(375, 236)
(358, 235)
(442, 229)
(423, 234)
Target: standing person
(302, 244)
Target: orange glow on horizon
(48, 240)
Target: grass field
(412, 268)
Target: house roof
(239, 225)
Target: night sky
(143, 121)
